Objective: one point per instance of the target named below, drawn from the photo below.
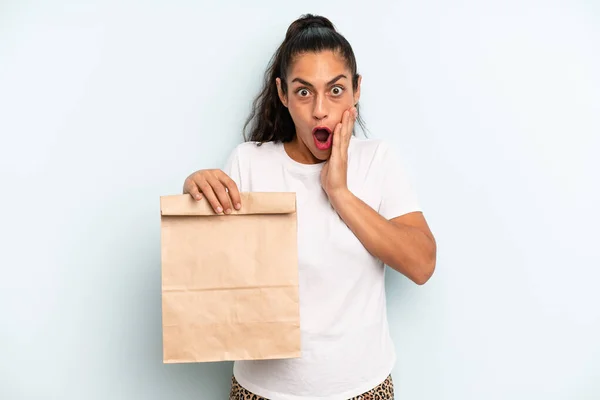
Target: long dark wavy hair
(270, 120)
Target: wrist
(339, 197)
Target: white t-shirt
(345, 342)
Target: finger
(352, 115)
(349, 129)
(221, 193)
(192, 189)
(232, 188)
(210, 195)
(336, 139)
(344, 132)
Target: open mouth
(323, 137)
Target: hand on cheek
(335, 170)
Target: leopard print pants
(383, 391)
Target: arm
(404, 243)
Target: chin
(321, 155)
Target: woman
(356, 212)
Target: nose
(320, 108)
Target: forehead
(317, 67)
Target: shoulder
(369, 149)
(249, 152)
(250, 149)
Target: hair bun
(308, 21)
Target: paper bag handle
(252, 203)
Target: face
(319, 90)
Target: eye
(337, 90)
(303, 92)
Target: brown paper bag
(229, 282)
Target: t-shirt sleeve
(398, 194)
(232, 167)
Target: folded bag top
(252, 203)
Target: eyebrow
(331, 82)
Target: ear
(357, 91)
(282, 95)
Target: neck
(297, 151)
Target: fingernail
(238, 206)
(228, 211)
(219, 210)
(198, 197)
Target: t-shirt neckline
(295, 165)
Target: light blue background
(106, 105)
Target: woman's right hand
(218, 188)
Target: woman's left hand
(335, 171)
